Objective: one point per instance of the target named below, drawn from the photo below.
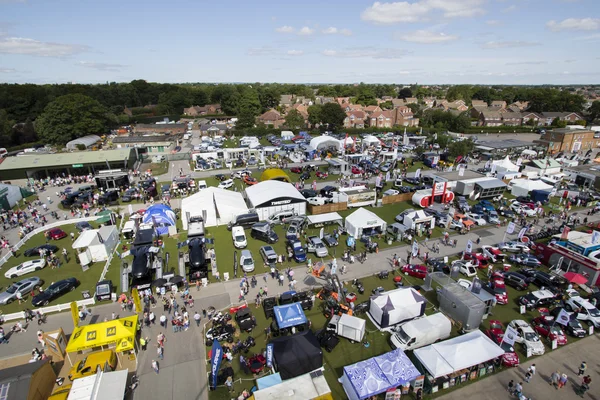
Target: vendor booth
(117, 334)
(378, 374)
(325, 142)
(338, 167)
(505, 169)
(396, 306)
(274, 174)
(522, 187)
(289, 315)
(270, 197)
(419, 221)
(287, 135)
(363, 222)
(297, 354)
(96, 245)
(311, 386)
(489, 188)
(438, 194)
(332, 218)
(161, 217)
(215, 205)
(100, 386)
(456, 360)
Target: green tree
(70, 117)
(249, 109)
(314, 114)
(386, 105)
(366, 96)
(443, 140)
(404, 93)
(294, 120)
(559, 123)
(5, 128)
(460, 148)
(594, 111)
(327, 91)
(333, 115)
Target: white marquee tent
(325, 141)
(220, 205)
(522, 187)
(458, 353)
(395, 306)
(363, 219)
(505, 165)
(96, 245)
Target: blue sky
(422, 41)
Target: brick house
(398, 102)
(531, 116)
(355, 119)
(271, 118)
(411, 100)
(512, 118)
(372, 109)
(381, 119)
(490, 118)
(403, 116)
(568, 140)
(570, 117)
(479, 103)
(521, 105)
(498, 104)
(209, 109)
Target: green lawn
(157, 168)
(88, 279)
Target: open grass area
(71, 269)
(156, 168)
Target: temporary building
(522, 187)
(274, 174)
(10, 195)
(297, 354)
(289, 315)
(505, 165)
(96, 245)
(418, 220)
(325, 219)
(86, 141)
(322, 142)
(100, 386)
(363, 221)
(378, 374)
(311, 386)
(271, 197)
(215, 205)
(458, 353)
(370, 140)
(396, 306)
(287, 135)
(161, 217)
(487, 188)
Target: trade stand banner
(510, 228)
(270, 355)
(215, 362)
(510, 335)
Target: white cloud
(403, 11)
(595, 36)
(346, 32)
(493, 22)
(7, 70)
(31, 47)
(305, 31)
(285, 29)
(574, 24)
(330, 31)
(509, 44)
(295, 52)
(366, 52)
(509, 9)
(102, 66)
(427, 37)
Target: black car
(506, 212)
(245, 320)
(484, 170)
(573, 326)
(516, 280)
(268, 306)
(308, 193)
(35, 251)
(129, 195)
(221, 177)
(543, 279)
(83, 226)
(108, 197)
(404, 189)
(330, 240)
(412, 181)
(439, 265)
(327, 191)
(526, 260)
(528, 273)
(54, 291)
(305, 176)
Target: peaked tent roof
(265, 191)
(545, 163)
(361, 215)
(506, 164)
(221, 203)
(289, 315)
(121, 331)
(297, 354)
(531, 184)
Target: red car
(418, 271)
(478, 259)
(296, 170)
(56, 234)
(494, 253)
(496, 333)
(356, 170)
(549, 330)
(498, 288)
(248, 180)
(321, 175)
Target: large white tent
(505, 165)
(391, 308)
(221, 206)
(363, 219)
(272, 196)
(522, 187)
(458, 353)
(96, 245)
(325, 141)
(370, 140)
(10, 195)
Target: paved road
(566, 360)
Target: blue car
(298, 250)
(487, 205)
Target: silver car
(316, 245)
(24, 287)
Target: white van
(202, 185)
(129, 229)
(280, 217)
(421, 332)
(239, 237)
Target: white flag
(415, 248)
(488, 163)
(469, 247)
(510, 228)
(595, 237)
(510, 336)
(563, 317)
(522, 232)
(493, 169)
(461, 170)
(418, 173)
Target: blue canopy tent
(161, 217)
(289, 315)
(378, 374)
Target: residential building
(429, 101)
(271, 118)
(454, 105)
(521, 105)
(568, 140)
(324, 100)
(511, 118)
(570, 117)
(286, 100)
(535, 118)
(213, 129)
(381, 119)
(171, 129)
(372, 109)
(490, 118)
(208, 109)
(411, 100)
(302, 109)
(398, 102)
(475, 111)
(355, 119)
(342, 100)
(479, 103)
(498, 104)
(352, 107)
(154, 144)
(403, 116)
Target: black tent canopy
(297, 354)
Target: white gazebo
(96, 245)
(363, 221)
(217, 206)
(522, 187)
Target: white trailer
(352, 328)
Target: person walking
(511, 386)
(582, 368)
(163, 321)
(197, 318)
(554, 378)
(518, 389)
(143, 343)
(229, 383)
(563, 380)
(528, 376)
(532, 369)
(160, 351)
(155, 366)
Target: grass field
(88, 278)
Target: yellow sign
(75, 314)
(91, 335)
(136, 300)
(111, 331)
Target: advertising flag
(415, 248)
(595, 237)
(75, 314)
(510, 228)
(563, 317)
(565, 233)
(510, 335)
(270, 355)
(469, 247)
(215, 361)
(418, 173)
(522, 232)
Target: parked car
(318, 201)
(391, 192)
(321, 175)
(25, 268)
(56, 234)
(83, 226)
(298, 251)
(496, 333)
(573, 326)
(439, 265)
(538, 298)
(129, 195)
(412, 181)
(506, 212)
(35, 251)
(247, 261)
(584, 310)
(544, 279)
(327, 191)
(296, 170)
(527, 260)
(494, 253)
(226, 184)
(465, 268)
(307, 193)
(497, 287)
(515, 280)
(477, 218)
(463, 204)
(330, 240)
(316, 245)
(23, 287)
(54, 291)
(514, 247)
(248, 180)
(239, 237)
(418, 271)
(479, 259)
(268, 255)
(356, 170)
(550, 330)
(527, 337)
